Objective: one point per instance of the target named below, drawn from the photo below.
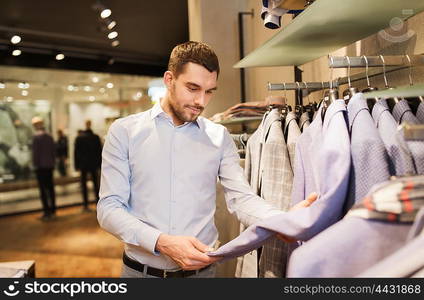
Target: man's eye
(192, 89)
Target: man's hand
(188, 252)
(305, 203)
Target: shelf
(239, 120)
(403, 91)
(325, 26)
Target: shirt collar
(157, 110)
(356, 105)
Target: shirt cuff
(148, 239)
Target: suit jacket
(420, 112)
(370, 161)
(402, 113)
(304, 121)
(292, 133)
(400, 162)
(271, 176)
(329, 151)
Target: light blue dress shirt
(160, 178)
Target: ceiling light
(92, 98)
(16, 52)
(23, 85)
(95, 79)
(9, 99)
(2, 85)
(115, 43)
(112, 35)
(111, 24)
(105, 13)
(102, 90)
(70, 87)
(60, 56)
(111, 61)
(24, 93)
(15, 39)
(109, 85)
(87, 88)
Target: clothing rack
(310, 86)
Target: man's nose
(200, 100)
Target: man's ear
(167, 79)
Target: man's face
(190, 92)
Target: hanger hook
(348, 71)
(298, 93)
(307, 91)
(366, 71)
(410, 69)
(384, 71)
(331, 71)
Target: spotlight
(112, 35)
(95, 79)
(70, 87)
(109, 85)
(24, 93)
(60, 56)
(23, 85)
(15, 39)
(102, 90)
(16, 52)
(92, 98)
(2, 85)
(110, 24)
(87, 88)
(115, 43)
(105, 13)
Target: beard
(184, 112)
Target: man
(159, 174)
(43, 158)
(87, 159)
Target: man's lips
(195, 110)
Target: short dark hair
(195, 52)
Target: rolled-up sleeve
(247, 206)
(113, 210)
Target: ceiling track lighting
(16, 52)
(16, 39)
(60, 56)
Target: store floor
(70, 245)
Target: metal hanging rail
(311, 86)
(374, 61)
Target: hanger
(298, 109)
(369, 88)
(391, 102)
(414, 102)
(350, 91)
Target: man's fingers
(311, 198)
(200, 246)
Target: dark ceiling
(147, 32)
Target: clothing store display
(370, 161)
(382, 219)
(400, 158)
(291, 133)
(147, 146)
(268, 167)
(304, 121)
(420, 112)
(330, 141)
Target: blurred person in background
(43, 158)
(88, 158)
(62, 152)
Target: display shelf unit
(327, 25)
